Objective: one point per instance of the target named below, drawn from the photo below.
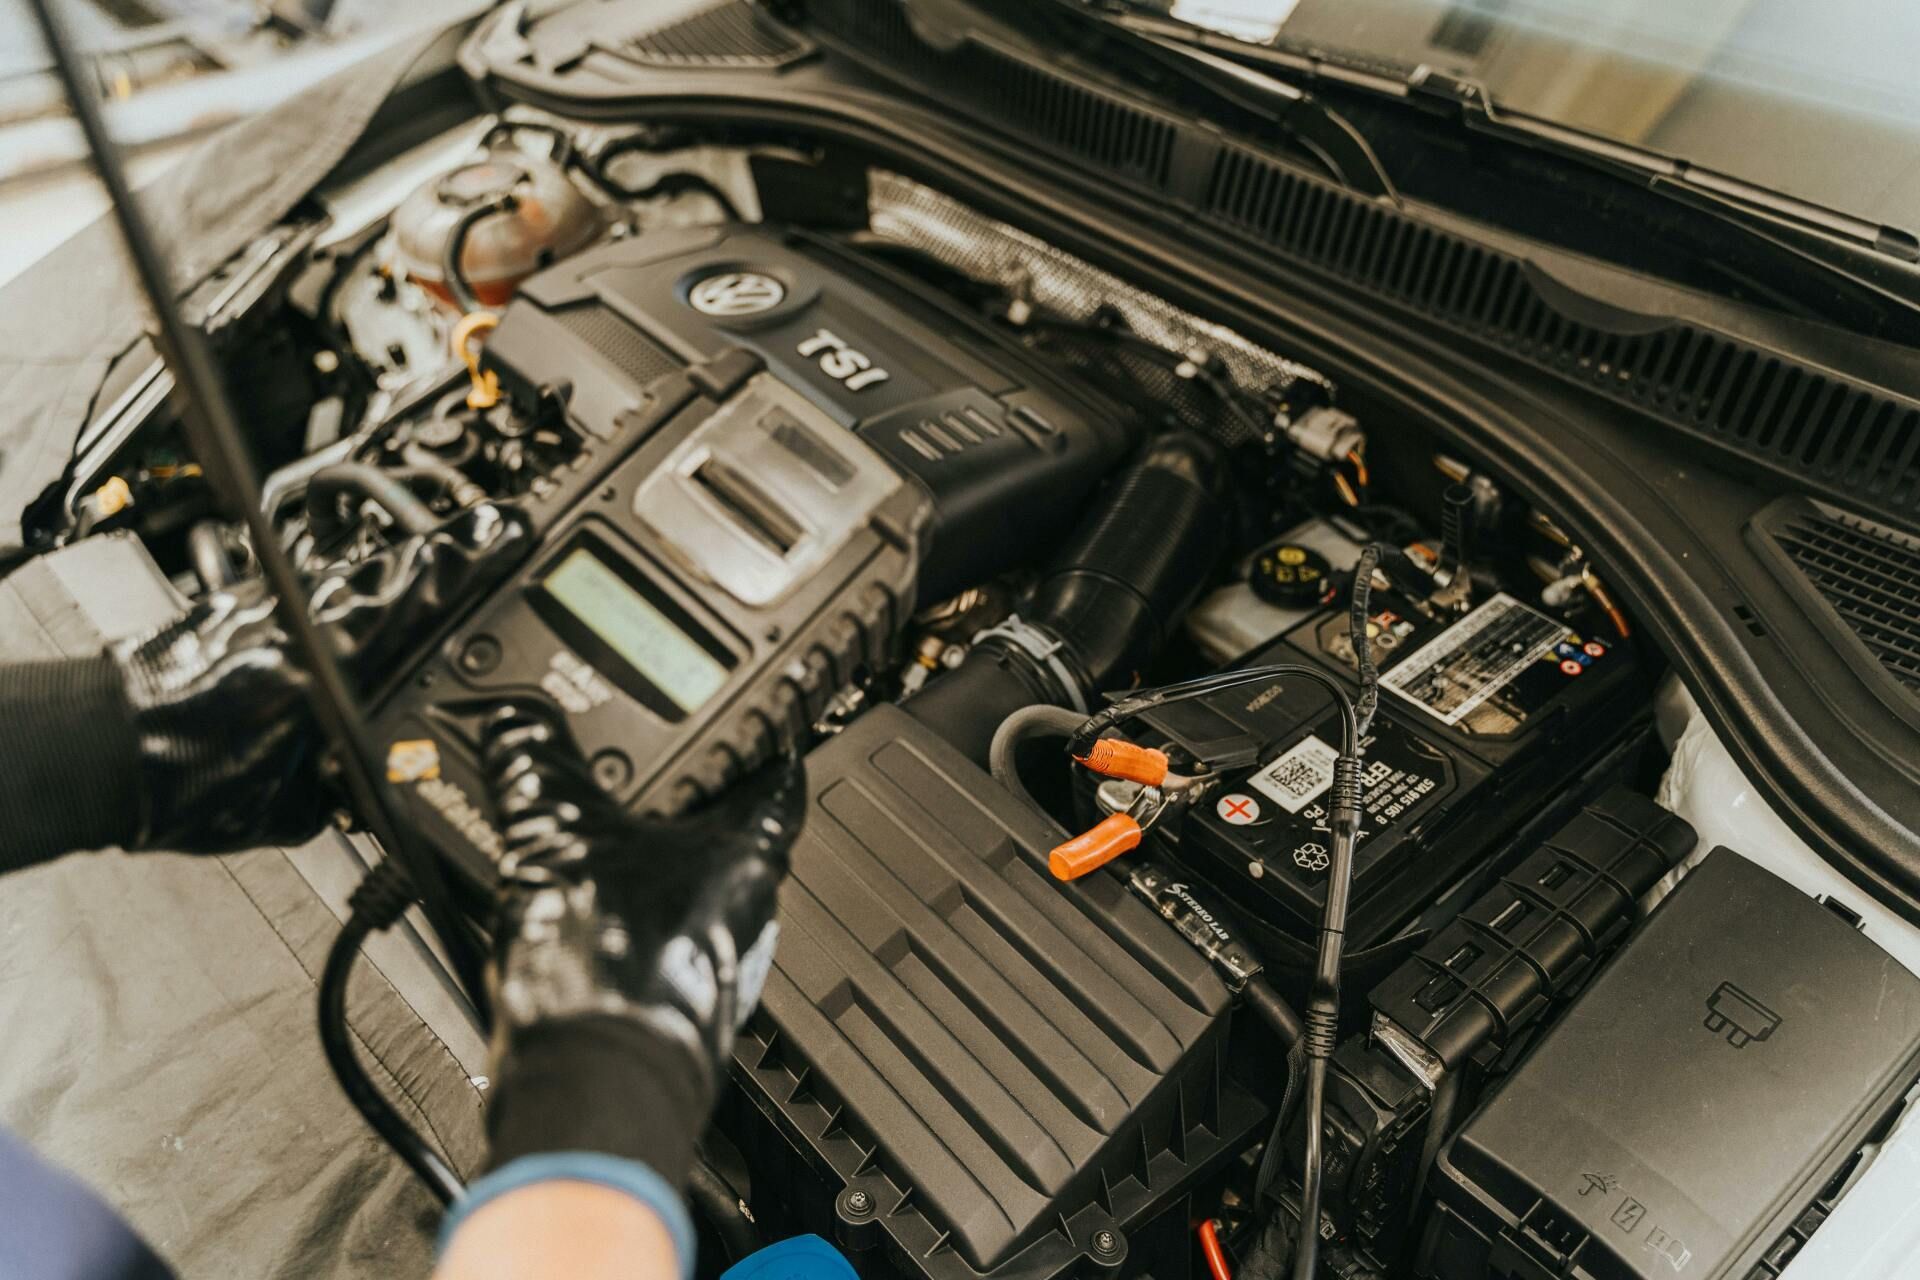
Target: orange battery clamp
(1118, 758)
(1114, 835)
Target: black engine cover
(1007, 453)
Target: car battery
(1494, 725)
(1692, 1111)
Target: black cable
(1323, 1003)
(1282, 1116)
(213, 425)
(720, 1205)
(669, 184)
(381, 899)
(1180, 691)
(1320, 1030)
(452, 274)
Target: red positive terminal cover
(1094, 849)
(1116, 758)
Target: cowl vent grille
(728, 34)
(1845, 437)
(1865, 573)
(1077, 117)
(1820, 430)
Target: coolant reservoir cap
(1288, 574)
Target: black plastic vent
(1078, 117)
(631, 351)
(1820, 430)
(1867, 574)
(1083, 120)
(879, 26)
(1815, 427)
(729, 34)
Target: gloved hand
(226, 745)
(630, 951)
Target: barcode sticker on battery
(1474, 658)
(1297, 776)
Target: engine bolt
(480, 655)
(859, 1204)
(1106, 1243)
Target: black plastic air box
(1692, 1102)
(959, 1061)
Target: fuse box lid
(1699, 1093)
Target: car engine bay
(1068, 596)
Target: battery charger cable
(1319, 1032)
(1323, 1001)
(377, 904)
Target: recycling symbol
(1311, 856)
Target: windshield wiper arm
(1323, 132)
(1315, 127)
(1871, 257)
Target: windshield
(1816, 99)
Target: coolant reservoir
(550, 218)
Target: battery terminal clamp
(1160, 790)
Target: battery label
(1474, 658)
(1298, 776)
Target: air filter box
(1694, 1101)
(959, 1062)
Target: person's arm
(196, 737)
(581, 1230)
(69, 759)
(629, 954)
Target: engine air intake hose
(1102, 610)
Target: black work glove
(208, 732)
(228, 747)
(629, 950)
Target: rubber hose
(1023, 725)
(1128, 573)
(968, 705)
(1275, 1012)
(1278, 1014)
(365, 481)
(452, 274)
(1037, 721)
(1108, 602)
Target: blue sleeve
(53, 1228)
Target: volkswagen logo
(736, 293)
